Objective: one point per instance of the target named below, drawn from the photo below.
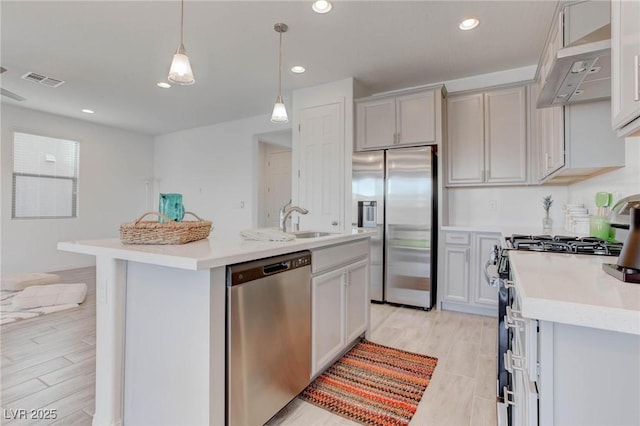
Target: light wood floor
(49, 362)
(463, 387)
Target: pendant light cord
(181, 22)
(280, 68)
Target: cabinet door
(465, 147)
(375, 124)
(551, 139)
(456, 270)
(625, 63)
(357, 301)
(321, 174)
(505, 136)
(416, 118)
(483, 293)
(327, 318)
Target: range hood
(580, 72)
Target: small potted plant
(547, 222)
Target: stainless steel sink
(310, 234)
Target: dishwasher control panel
(249, 271)
(302, 261)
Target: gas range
(564, 244)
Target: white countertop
(573, 289)
(209, 253)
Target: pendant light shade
(180, 71)
(279, 114)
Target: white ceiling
(111, 54)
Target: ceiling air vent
(42, 79)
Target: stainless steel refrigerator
(402, 182)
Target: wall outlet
(493, 205)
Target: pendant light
(180, 71)
(279, 111)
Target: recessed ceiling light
(88, 111)
(298, 69)
(469, 24)
(163, 85)
(321, 6)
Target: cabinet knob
(334, 223)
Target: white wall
(114, 165)
(515, 206)
(215, 168)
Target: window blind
(45, 177)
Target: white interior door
(321, 188)
(278, 170)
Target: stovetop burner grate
(565, 244)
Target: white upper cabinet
(505, 136)
(625, 67)
(550, 139)
(576, 142)
(376, 124)
(465, 143)
(487, 138)
(415, 118)
(386, 122)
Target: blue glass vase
(171, 206)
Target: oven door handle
(509, 396)
(513, 362)
(492, 279)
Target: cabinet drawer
(457, 238)
(334, 256)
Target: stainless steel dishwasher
(268, 336)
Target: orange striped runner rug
(373, 385)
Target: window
(45, 177)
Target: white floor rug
(9, 314)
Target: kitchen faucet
(285, 213)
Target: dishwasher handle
(241, 273)
(276, 267)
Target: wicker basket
(154, 232)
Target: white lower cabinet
(465, 287)
(340, 301)
(357, 302)
(456, 272)
(327, 322)
(564, 374)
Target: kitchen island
(573, 357)
(161, 323)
